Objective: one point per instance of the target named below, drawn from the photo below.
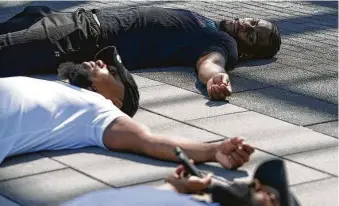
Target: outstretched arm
(125, 134)
(211, 72)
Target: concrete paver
(288, 106)
(144, 82)
(329, 128)
(49, 188)
(319, 159)
(27, 164)
(312, 84)
(272, 135)
(115, 169)
(322, 192)
(181, 104)
(171, 128)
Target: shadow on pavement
(141, 159)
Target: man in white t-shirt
(40, 115)
(43, 115)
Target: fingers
(214, 93)
(199, 183)
(240, 155)
(218, 93)
(180, 170)
(237, 141)
(237, 159)
(248, 148)
(226, 90)
(225, 79)
(243, 154)
(234, 153)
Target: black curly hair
(78, 74)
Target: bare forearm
(207, 70)
(162, 147)
(127, 135)
(210, 65)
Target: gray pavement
(286, 107)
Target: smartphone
(189, 167)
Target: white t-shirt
(44, 115)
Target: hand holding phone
(189, 167)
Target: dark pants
(38, 39)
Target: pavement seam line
(143, 182)
(218, 115)
(31, 175)
(312, 181)
(77, 170)
(311, 150)
(323, 122)
(10, 199)
(213, 141)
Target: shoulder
(223, 39)
(225, 45)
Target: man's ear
(117, 103)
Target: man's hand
(219, 87)
(188, 184)
(233, 153)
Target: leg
(25, 19)
(26, 59)
(68, 34)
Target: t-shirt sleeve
(102, 121)
(225, 45)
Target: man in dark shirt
(145, 37)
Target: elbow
(204, 72)
(126, 136)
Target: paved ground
(286, 107)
